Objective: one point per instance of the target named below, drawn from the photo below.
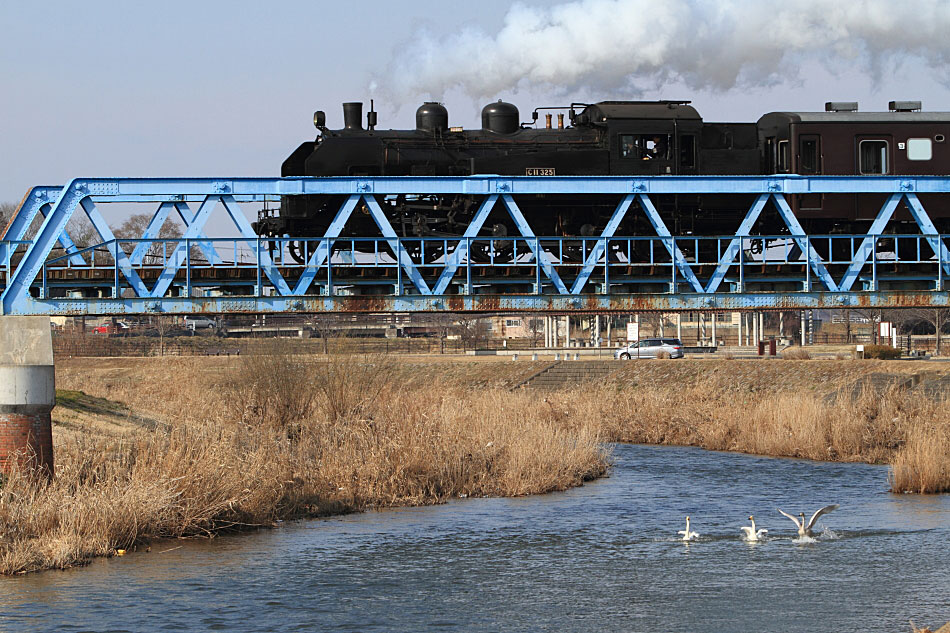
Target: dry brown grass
(908, 431)
(228, 461)
(795, 353)
(922, 464)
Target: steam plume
(618, 46)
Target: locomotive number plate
(539, 171)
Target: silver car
(650, 348)
(199, 323)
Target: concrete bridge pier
(27, 394)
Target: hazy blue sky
(215, 88)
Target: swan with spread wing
(805, 529)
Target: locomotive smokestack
(353, 115)
(560, 120)
(547, 121)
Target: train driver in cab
(653, 148)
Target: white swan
(688, 535)
(751, 534)
(803, 528)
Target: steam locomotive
(626, 138)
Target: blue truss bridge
(230, 269)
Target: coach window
(873, 157)
(783, 155)
(919, 149)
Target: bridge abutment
(27, 394)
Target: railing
(621, 260)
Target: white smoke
(623, 46)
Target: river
(603, 557)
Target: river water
(603, 557)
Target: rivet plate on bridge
(222, 186)
(103, 188)
(364, 186)
(503, 186)
(234, 306)
(639, 186)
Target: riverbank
(839, 410)
(151, 448)
(847, 411)
(198, 448)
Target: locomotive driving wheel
(296, 250)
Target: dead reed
(280, 436)
(922, 464)
(901, 428)
(795, 353)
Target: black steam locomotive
(627, 138)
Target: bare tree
(937, 318)
(535, 326)
(874, 318)
(444, 324)
(134, 228)
(82, 232)
(327, 326)
(472, 329)
(7, 209)
(162, 324)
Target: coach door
(874, 158)
(809, 164)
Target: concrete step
(570, 373)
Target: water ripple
(601, 557)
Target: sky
(213, 88)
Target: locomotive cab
(650, 138)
